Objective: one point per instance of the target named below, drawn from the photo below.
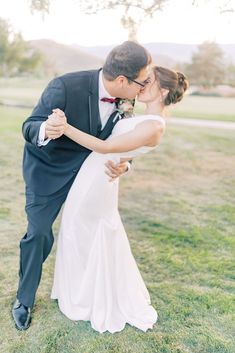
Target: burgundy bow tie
(110, 100)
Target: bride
(96, 277)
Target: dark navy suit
(50, 170)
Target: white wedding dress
(96, 277)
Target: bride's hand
(59, 115)
(116, 170)
(56, 124)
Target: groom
(52, 161)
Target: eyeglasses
(142, 84)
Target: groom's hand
(55, 124)
(115, 170)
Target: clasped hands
(56, 125)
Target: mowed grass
(178, 208)
(22, 91)
(212, 108)
(206, 108)
(26, 91)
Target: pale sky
(179, 22)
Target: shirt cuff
(41, 136)
(128, 168)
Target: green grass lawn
(21, 90)
(211, 108)
(27, 91)
(178, 208)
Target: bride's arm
(147, 133)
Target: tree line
(16, 56)
(208, 67)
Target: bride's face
(151, 91)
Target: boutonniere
(126, 107)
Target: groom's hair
(126, 59)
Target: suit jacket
(47, 169)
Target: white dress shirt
(105, 108)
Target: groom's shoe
(21, 315)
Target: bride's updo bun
(174, 81)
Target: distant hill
(184, 52)
(60, 58)
(102, 52)
(171, 52)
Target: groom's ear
(120, 80)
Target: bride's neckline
(145, 115)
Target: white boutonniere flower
(126, 107)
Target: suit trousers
(36, 244)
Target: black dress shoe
(21, 315)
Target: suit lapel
(93, 104)
(113, 119)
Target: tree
(224, 6)
(15, 55)
(4, 44)
(134, 12)
(230, 75)
(207, 68)
(40, 5)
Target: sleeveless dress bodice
(127, 124)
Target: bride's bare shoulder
(151, 120)
(153, 128)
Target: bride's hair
(174, 81)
